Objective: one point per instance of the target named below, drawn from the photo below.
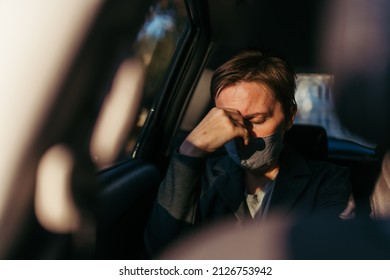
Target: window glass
(138, 82)
(315, 99)
(157, 41)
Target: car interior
(310, 139)
(151, 63)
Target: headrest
(310, 140)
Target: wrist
(189, 149)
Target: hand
(218, 127)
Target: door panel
(125, 199)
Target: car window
(315, 99)
(157, 41)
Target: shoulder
(292, 160)
(327, 167)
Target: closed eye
(259, 119)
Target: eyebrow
(251, 116)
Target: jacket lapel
(293, 179)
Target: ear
(290, 121)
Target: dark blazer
(198, 191)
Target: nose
(249, 127)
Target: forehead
(247, 97)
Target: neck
(255, 182)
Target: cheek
(266, 129)
(262, 130)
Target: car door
(173, 42)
